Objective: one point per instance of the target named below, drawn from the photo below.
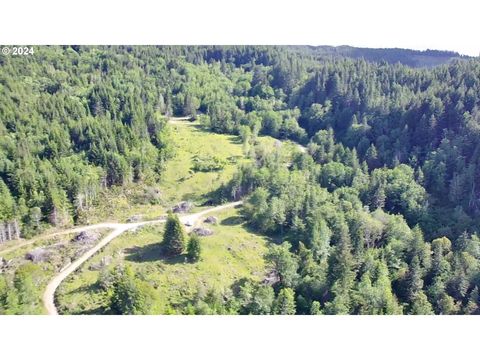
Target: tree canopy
(378, 214)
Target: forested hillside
(73, 123)
(378, 216)
(415, 58)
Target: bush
(130, 295)
(207, 163)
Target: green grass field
(179, 181)
(233, 252)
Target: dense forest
(379, 216)
(414, 58)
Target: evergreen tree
(285, 302)
(284, 264)
(473, 305)
(194, 249)
(414, 279)
(6, 203)
(341, 274)
(174, 235)
(420, 305)
(315, 308)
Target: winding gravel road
(188, 220)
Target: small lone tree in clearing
(174, 236)
(194, 249)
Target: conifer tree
(174, 236)
(6, 203)
(194, 249)
(315, 309)
(285, 302)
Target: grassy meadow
(231, 253)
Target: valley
(239, 180)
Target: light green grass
(179, 182)
(233, 252)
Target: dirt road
(64, 232)
(191, 220)
(49, 295)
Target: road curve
(194, 218)
(118, 229)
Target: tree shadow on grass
(233, 220)
(241, 220)
(84, 288)
(151, 253)
(99, 310)
(237, 140)
(191, 197)
(273, 238)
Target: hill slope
(413, 58)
